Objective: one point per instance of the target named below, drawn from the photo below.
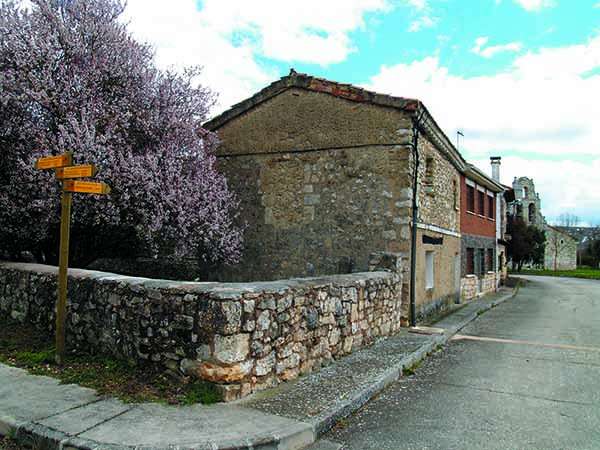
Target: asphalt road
(525, 375)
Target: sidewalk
(39, 411)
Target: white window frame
(429, 271)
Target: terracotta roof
(310, 83)
(415, 107)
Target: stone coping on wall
(216, 290)
(243, 337)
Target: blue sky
(520, 78)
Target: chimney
(495, 161)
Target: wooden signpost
(67, 173)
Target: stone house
(481, 226)
(327, 173)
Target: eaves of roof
(481, 178)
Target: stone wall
(439, 188)
(242, 336)
(473, 286)
(469, 287)
(322, 183)
(560, 252)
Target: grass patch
(22, 346)
(410, 371)
(586, 273)
(201, 392)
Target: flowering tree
(73, 79)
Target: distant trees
(73, 79)
(526, 245)
(590, 255)
(568, 220)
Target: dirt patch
(7, 443)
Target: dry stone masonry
(473, 286)
(243, 337)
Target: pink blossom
(73, 79)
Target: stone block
(232, 317)
(232, 348)
(265, 365)
(264, 321)
(217, 373)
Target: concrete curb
(300, 435)
(32, 434)
(36, 436)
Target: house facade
(328, 173)
(481, 229)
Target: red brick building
(478, 227)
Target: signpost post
(66, 171)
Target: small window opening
(470, 261)
(429, 275)
(470, 198)
(490, 207)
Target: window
(470, 261)
(531, 213)
(429, 169)
(525, 192)
(490, 207)
(470, 198)
(429, 278)
(489, 264)
(481, 197)
(481, 258)
(455, 195)
(429, 176)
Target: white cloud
(417, 4)
(423, 13)
(425, 21)
(313, 31)
(489, 51)
(544, 104)
(182, 38)
(536, 5)
(225, 36)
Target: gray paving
(498, 394)
(24, 397)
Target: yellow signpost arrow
(86, 187)
(64, 170)
(83, 171)
(53, 162)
